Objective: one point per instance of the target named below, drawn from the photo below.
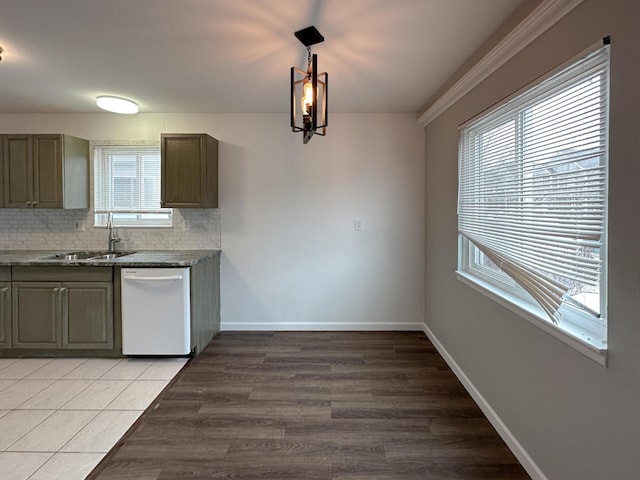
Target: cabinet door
(47, 171)
(87, 315)
(183, 171)
(36, 314)
(5, 314)
(18, 171)
(2, 170)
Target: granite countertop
(140, 258)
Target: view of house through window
(532, 197)
(127, 183)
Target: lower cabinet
(87, 315)
(36, 315)
(5, 314)
(54, 315)
(67, 311)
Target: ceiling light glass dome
(116, 104)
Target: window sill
(140, 227)
(578, 338)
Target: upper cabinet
(45, 171)
(189, 171)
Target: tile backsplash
(53, 229)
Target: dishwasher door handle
(152, 279)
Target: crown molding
(543, 17)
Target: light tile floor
(59, 417)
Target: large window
(532, 199)
(127, 184)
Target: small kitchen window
(127, 184)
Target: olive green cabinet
(1, 171)
(45, 171)
(5, 312)
(49, 314)
(36, 315)
(87, 315)
(189, 171)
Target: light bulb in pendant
(307, 97)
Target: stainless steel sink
(109, 256)
(75, 256)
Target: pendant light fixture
(310, 89)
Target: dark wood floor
(313, 405)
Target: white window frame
(137, 217)
(584, 330)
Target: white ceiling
(226, 56)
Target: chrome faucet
(113, 237)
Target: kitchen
(290, 255)
(285, 220)
(289, 251)
(357, 230)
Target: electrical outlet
(357, 224)
(78, 225)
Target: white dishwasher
(156, 315)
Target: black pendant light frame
(310, 126)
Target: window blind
(533, 184)
(127, 183)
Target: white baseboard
(319, 326)
(520, 453)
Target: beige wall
(576, 419)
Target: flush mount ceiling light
(116, 104)
(311, 88)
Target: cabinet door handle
(4, 289)
(28, 203)
(34, 203)
(63, 289)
